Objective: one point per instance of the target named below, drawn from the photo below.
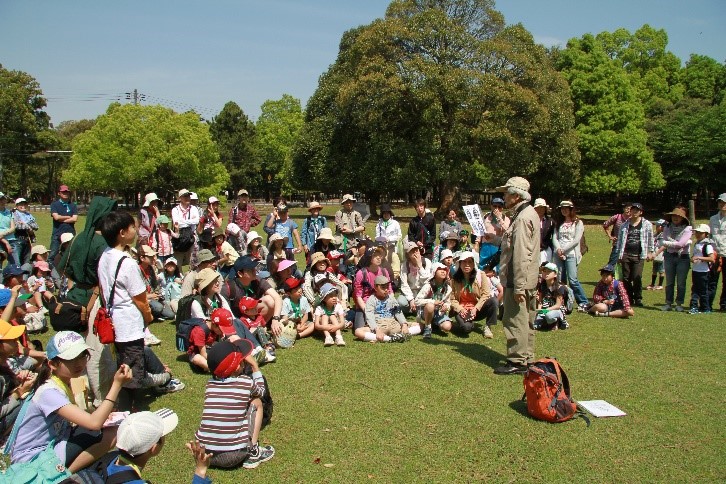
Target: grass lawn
(434, 411)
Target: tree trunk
(450, 199)
(374, 199)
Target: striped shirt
(224, 426)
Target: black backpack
(184, 307)
(184, 329)
(97, 473)
(185, 241)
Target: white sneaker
(269, 357)
(174, 385)
(151, 340)
(488, 333)
(328, 341)
(339, 341)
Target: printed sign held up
(474, 216)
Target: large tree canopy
(610, 121)
(234, 134)
(138, 148)
(278, 130)
(437, 94)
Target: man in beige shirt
(519, 270)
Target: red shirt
(198, 340)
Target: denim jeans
(568, 274)
(21, 250)
(676, 271)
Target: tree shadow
(476, 351)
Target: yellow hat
(8, 331)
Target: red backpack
(547, 392)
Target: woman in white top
(388, 231)
(566, 238)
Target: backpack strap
(10, 443)
(101, 467)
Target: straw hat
(318, 257)
(326, 234)
(314, 206)
(205, 278)
(274, 238)
(677, 211)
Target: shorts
(360, 320)
(132, 353)
(80, 440)
(436, 320)
(389, 326)
(658, 267)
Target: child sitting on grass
(610, 297)
(330, 316)
(384, 318)
(226, 255)
(232, 413)
(318, 276)
(296, 308)
(433, 301)
(549, 300)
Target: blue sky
(201, 54)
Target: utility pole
(136, 97)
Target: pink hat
(42, 265)
(285, 264)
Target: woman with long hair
(566, 239)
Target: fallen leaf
(316, 460)
(326, 430)
(328, 465)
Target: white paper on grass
(601, 408)
(474, 216)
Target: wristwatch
(277, 317)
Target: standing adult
(635, 245)
(311, 227)
(185, 218)
(615, 222)
(279, 222)
(546, 227)
(450, 224)
(422, 229)
(25, 228)
(677, 262)
(244, 213)
(519, 272)
(147, 219)
(566, 238)
(717, 223)
(65, 216)
(348, 222)
(7, 229)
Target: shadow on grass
(520, 407)
(475, 351)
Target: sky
(199, 55)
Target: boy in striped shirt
(232, 413)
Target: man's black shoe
(511, 369)
(639, 303)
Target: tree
(138, 148)
(235, 137)
(437, 94)
(610, 121)
(704, 78)
(278, 130)
(21, 120)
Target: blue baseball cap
(245, 262)
(608, 268)
(66, 345)
(13, 270)
(498, 201)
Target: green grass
(434, 411)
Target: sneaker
(693, 311)
(339, 341)
(583, 307)
(488, 332)
(427, 332)
(257, 456)
(172, 386)
(602, 315)
(270, 349)
(398, 338)
(666, 307)
(269, 356)
(650, 288)
(564, 325)
(151, 340)
(679, 309)
(510, 369)
(658, 288)
(328, 341)
(708, 311)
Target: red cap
(334, 254)
(224, 319)
(291, 283)
(64, 188)
(246, 303)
